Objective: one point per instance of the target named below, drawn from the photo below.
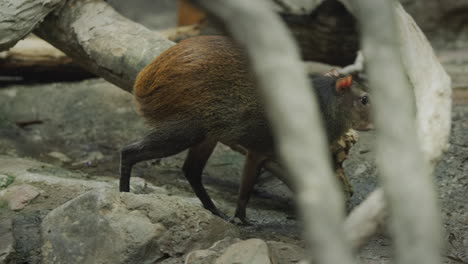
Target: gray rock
(19, 196)
(7, 241)
(246, 252)
(209, 255)
(285, 253)
(105, 226)
(234, 250)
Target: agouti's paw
(241, 221)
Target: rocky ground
(59, 141)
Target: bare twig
(294, 115)
(415, 218)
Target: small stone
(361, 168)
(90, 159)
(60, 156)
(247, 251)
(19, 196)
(139, 185)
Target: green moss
(5, 181)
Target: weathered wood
(36, 60)
(19, 17)
(102, 41)
(432, 87)
(327, 35)
(405, 173)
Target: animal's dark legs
(253, 164)
(156, 145)
(193, 167)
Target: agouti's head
(353, 95)
(344, 102)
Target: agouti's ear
(343, 84)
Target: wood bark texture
(19, 17)
(34, 59)
(95, 36)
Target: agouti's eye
(364, 100)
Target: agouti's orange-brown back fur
(203, 84)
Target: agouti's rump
(203, 84)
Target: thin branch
(287, 96)
(415, 218)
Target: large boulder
(104, 226)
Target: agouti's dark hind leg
(153, 146)
(193, 167)
(252, 166)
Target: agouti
(200, 91)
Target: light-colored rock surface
(19, 196)
(105, 226)
(209, 255)
(252, 251)
(34, 172)
(246, 252)
(285, 253)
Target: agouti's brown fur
(200, 91)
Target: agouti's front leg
(252, 167)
